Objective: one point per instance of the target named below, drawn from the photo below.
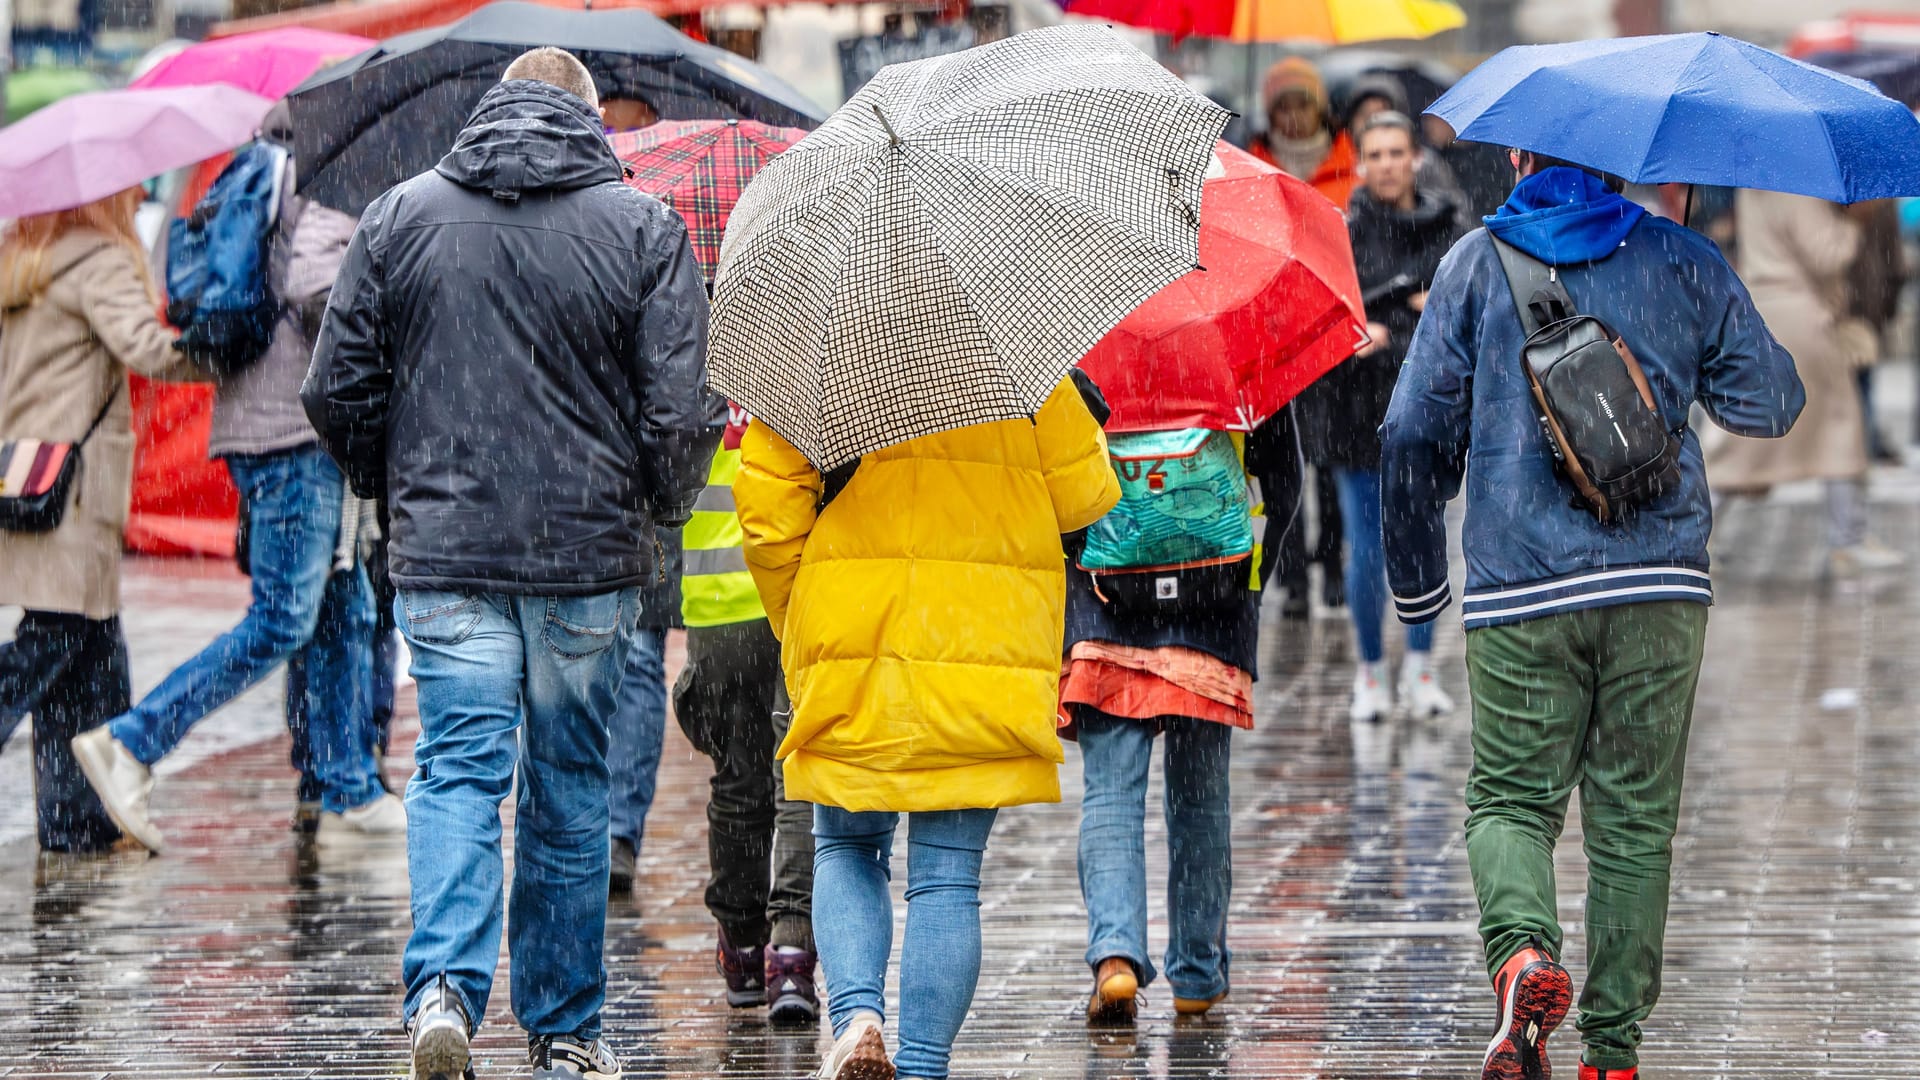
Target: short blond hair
(555, 67)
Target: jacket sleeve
(676, 439)
(1424, 444)
(777, 495)
(1073, 457)
(1748, 382)
(349, 385)
(120, 310)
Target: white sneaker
(384, 816)
(1371, 698)
(1420, 688)
(559, 1057)
(439, 1037)
(1865, 557)
(124, 785)
(859, 1054)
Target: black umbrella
(1895, 74)
(394, 110)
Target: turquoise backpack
(1181, 537)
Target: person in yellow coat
(920, 616)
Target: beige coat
(1794, 255)
(61, 354)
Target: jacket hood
(1563, 216)
(1431, 210)
(62, 255)
(529, 136)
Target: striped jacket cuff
(1425, 607)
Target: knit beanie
(1290, 74)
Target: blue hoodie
(1462, 410)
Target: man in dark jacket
(513, 356)
(1583, 638)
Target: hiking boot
(859, 1054)
(791, 997)
(745, 971)
(622, 861)
(1534, 993)
(385, 816)
(124, 785)
(1114, 985)
(1420, 688)
(1196, 1006)
(439, 1034)
(1372, 701)
(563, 1057)
(1588, 1072)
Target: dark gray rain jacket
(514, 355)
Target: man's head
(1388, 154)
(1296, 99)
(555, 67)
(1526, 163)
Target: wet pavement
(1792, 952)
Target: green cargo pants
(1601, 700)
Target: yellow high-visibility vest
(715, 587)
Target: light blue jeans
(1367, 566)
(512, 683)
(302, 611)
(638, 729)
(940, 959)
(1116, 753)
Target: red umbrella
(699, 168)
(1275, 308)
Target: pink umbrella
(268, 63)
(88, 146)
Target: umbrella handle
(892, 135)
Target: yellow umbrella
(1342, 22)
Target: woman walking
(77, 311)
(1399, 232)
(920, 618)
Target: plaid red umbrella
(699, 168)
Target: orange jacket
(1335, 178)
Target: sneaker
(1588, 1072)
(125, 786)
(1114, 985)
(1196, 1006)
(745, 971)
(1534, 994)
(791, 997)
(1866, 557)
(859, 1054)
(1420, 688)
(563, 1057)
(1372, 701)
(440, 1035)
(384, 816)
(620, 869)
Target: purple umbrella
(88, 146)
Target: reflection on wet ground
(1792, 948)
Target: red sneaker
(1588, 1072)
(1534, 995)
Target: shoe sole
(95, 769)
(868, 1061)
(1112, 1003)
(746, 999)
(441, 1053)
(1536, 1002)
(792, 1009)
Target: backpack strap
(1537, 291)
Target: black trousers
(731, 702)
(70, 673)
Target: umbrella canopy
(1692, 109)
(268, 63)
(1895, 74)
(88, 146)
(699, 168)
(952, 241)
(1335, 22)
(391, 113)
(1276, 307)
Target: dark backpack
(218, 290)
(1596, 406)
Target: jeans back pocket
(580, 626)
(439, 617)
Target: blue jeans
(1116, 753)
(482, 664)
(638, 727)
(1367, 566)
(940, 960)
(302, 612)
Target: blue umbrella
(1695, 109)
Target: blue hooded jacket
(1462, 410)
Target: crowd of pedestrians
(917, 638)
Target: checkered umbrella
(946, 246)
(699, 168)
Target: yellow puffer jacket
(920, 617)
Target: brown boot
(1114, 985)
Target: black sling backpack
(1595, 404)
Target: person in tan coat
(77, 312)
(1795, 254)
